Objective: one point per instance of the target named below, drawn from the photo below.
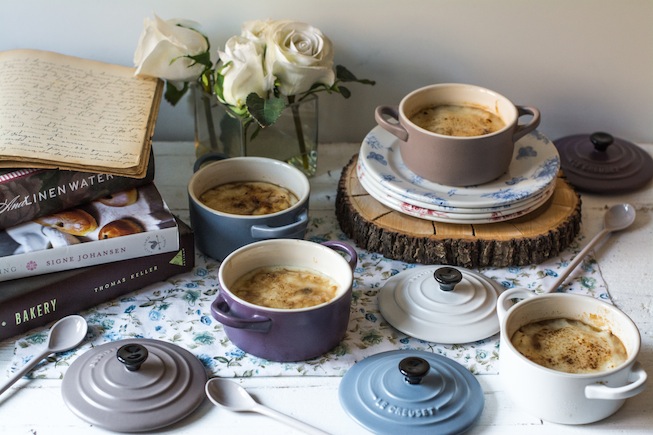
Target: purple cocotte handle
(222, 313)
(337, 245)
(382, 115)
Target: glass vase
(293, 138)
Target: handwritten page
(65, 111)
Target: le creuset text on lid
(411, 392)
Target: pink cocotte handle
(523, 129)
(383, 115)
(637, 378)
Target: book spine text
(89, 253)
(71, 292)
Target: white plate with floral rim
(439, 216)
(454, 212)
(417, 209)
(535, 164)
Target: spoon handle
(290, 421)
(579, 257)
(24, 370)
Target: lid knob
(447, 277)
(414, 369)
(601, 140)
(132, 356)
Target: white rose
(299, 56)
(257, 30)
(243, 71)
(162, 47)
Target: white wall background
(586, 64)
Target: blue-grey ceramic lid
(443, 398)
(134, 385)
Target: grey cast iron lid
(134, 385)
(601, 163)
(411, 392)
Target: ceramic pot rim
(301, 179)
(345, 288)
(510, 119)
(624, 319)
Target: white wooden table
(626, 261)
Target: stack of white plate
(527, 185)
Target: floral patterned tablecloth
(178, 311)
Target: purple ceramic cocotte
(286, 334)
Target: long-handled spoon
(233, 397)
(616, 218)
(66, 334)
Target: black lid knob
(132, 355)
(414, 369)
(601, 140)
(447, 277)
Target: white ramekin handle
(504, 303)
(637, 378)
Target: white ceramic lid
(412, 392)
(459, 309)
(134, 385)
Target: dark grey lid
(134, 385)
(601, 163)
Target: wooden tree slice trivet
(529, 239)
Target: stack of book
(81, 221)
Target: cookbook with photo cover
(35, 301)
(28, 193)
(65, 112)
(129, 224)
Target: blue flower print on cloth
(178, 311)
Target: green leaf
(206, 80)
(174, 94)
(218, 86)
(345, 92)
(265, 112)
(344, 75)
(202, 59)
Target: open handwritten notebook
(65, 112)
